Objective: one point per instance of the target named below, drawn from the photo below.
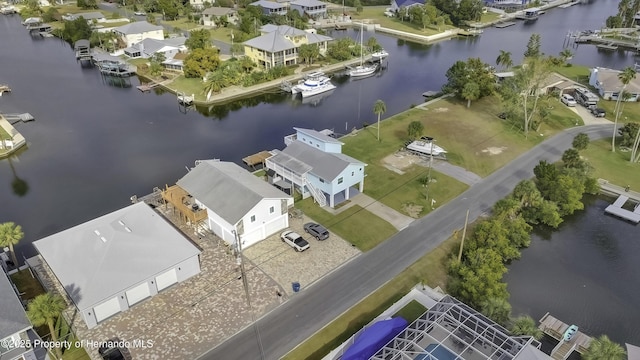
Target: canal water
(93, 144)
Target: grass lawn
(614, 167)
(188, 86)
(27, 284)
(221, 34)
(411, 311)
(489, 16)
(356, 224)
(430, 269)
(4, 135)
(376, 13)
(182, 23)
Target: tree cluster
(343, 49)
(470, 80)
(426, 15)
(627, 9)
(75, 30)
(460, 12)
(240, 72)
(87, 4)
(200, 62)
(556, 191)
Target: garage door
(107, 309)
(275, 226)
(167, 279)
(138, 293)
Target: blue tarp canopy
(374, 338)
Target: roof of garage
(97, 259)
(227, 189)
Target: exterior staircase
(563, 350)
(317, 194)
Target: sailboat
(362, 69)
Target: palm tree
(11, 234)
(525, 325)
(566, 55)
(626, 76)
(496, 309)
(603, 348)
(45, 309)
(504, 59)
(379, 108)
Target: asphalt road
(311, 309)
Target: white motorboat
(379, 55)
(314, 83)
(362, 69)
(427, 147)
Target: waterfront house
(606, 82)
(15, 326)
(148, 47)
(137, 31)
(197, 4)
(211, 15)
(89, 16)
(505, 4)
(271, 7)
(235, 201)
(110, 263)
(314, 9)
(396, 5)
(278, 45)
(313, 164)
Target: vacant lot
(612, 166)
(376, 14)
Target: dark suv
(316, 230)
(598, 112)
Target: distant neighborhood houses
(137, 31)
(148, 47)
(396, 5)
(89, 16)
(211, 15)
(312, 8)
(609, 86)
(278, 46)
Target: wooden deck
(556, 328)
(256, 159)
(186, 206)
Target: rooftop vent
(104, 240)
(96, 232)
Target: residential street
(308, 311)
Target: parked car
(568, 100)
(139, 13)
(294, 240)
(316, 230)
(111, 353)
(598, 112)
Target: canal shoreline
(17, 140)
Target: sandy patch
(412, 210)
(492, 150)
(441, 109)
(399, 161)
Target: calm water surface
(94, 145)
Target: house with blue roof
(396, 5)
(271, 7)
(313, 164)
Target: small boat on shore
(4, 89)
(570, 333)
(379, 55)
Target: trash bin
(295, 286)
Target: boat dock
(624, 194)
(14, 118)
(564, 6)
(256, 159)
(15, 141)
(147, 87)
(555, 328)
(504, 24)
(599, 39)
(607, 47)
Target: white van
(568, 100)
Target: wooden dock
(556, 328)
(147, 87)
(504, 24)
(256, 159)
(610, 189)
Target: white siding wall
(318, 144)
(185, 269)
(136, 38)
(256, 230)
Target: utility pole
(430, 165)
(464, 232)
(245, 284)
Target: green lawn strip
(376, 13)
(188, 86)
(612, 166)
(488, 17)
(356, 225)
(411, 311)
(182, 23)
(27, 285)
(222, 34)
(577, 73)
(4, 135)
(430, 268)
(74, 352)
